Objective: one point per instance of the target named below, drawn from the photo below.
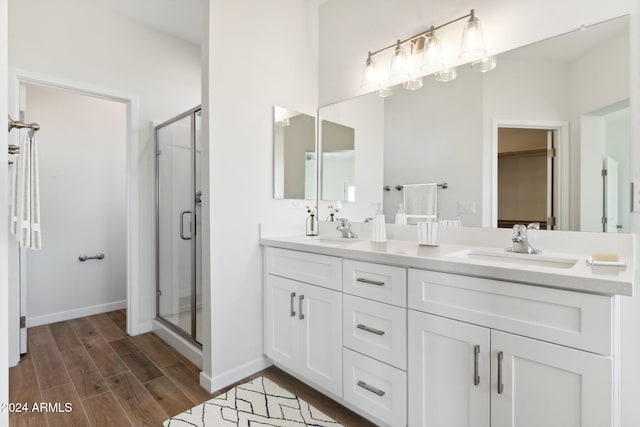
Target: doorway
(526, 177)
(79, 177)
(178, 215)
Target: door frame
(18, 77)
(561, 174)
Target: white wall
(4, 230)
(82, 147)
(260, 53)
(78, 43)
(363, 25)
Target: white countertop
(580, 277)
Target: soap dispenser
(401, 216)
(379, 233)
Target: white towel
(420, 202)
(27, 199)
(13, 214)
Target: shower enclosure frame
(192, 113)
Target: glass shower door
(178, 206)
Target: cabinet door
(548, 385)
(449, 372)
(320, 313)
(281, 324)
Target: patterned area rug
(257, 403)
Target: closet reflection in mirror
(294, 154)
(575, 85)
(338, 157)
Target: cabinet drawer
(379, 282)
(376, 388)
(315, 269)
(375, 329)
(572, 319)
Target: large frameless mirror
(294, 154)
(528, 141)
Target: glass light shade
(432, 58)
(384, 92)
(370, 75)
(446, 75)
(399, 64)
(485, 64)
(413, 84)
(472, 45)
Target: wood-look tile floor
(111, 379)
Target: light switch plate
(295, 204)
(635, 197)
(466, 207)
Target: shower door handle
(182, 236)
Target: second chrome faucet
(520, 239)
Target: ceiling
(179, 18)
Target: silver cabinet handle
(182, 236)
(96, 256)
(476, 375)
(300, 314)
(369, 282)
(368, 329)
(500, 385)
(291, 309)
(371, 388)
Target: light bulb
(432, 58)
(370, 77)
(399, 64)
(485, 64)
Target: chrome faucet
(520, 240)
(344, 227)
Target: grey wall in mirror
(571, 90)
(294, 155)
(338, 149)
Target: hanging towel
(420, 202)
(28, 195)
(13, 214)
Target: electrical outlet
(466, 207)
(635, 197)
(295, 204)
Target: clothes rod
(21, 125)
(443, 185)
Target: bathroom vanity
(460, 334)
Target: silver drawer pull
(300, 314)
(292, 311)
(85, 257)
(476, 375)
(369, 282)
(500, 385)
(368, 329)
(370, 388)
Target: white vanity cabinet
(478, 370)
(303, 321)
(375, 339)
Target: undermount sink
(515, 258)
(336, 240)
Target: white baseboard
(231, 376)
(186, 348)
(61, 316)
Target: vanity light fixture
(472, 46)
(485, 64)
(399, 63)
(446, 75)
(426, 56)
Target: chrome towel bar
(96, 256)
